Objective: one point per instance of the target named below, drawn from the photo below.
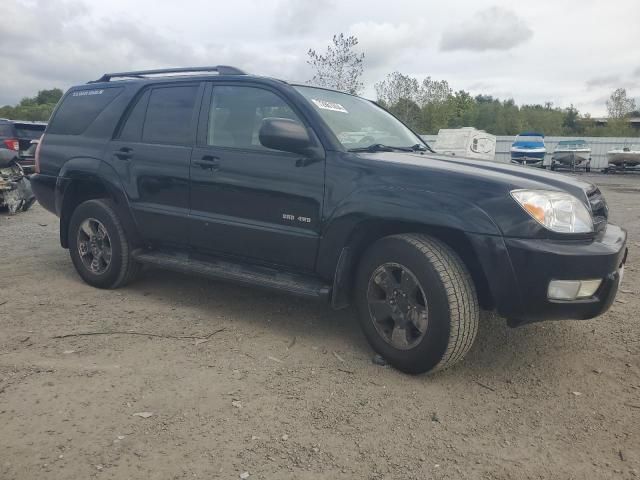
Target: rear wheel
(416, 302)
(99, 247)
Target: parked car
(17, 135)
(215, 172)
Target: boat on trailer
(623, 158)
(528, 149)
(572, 154)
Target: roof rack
(221, 69)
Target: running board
(245, 274)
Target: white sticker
(85, 93)
(334, 107)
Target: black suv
(321, 194)
(19, 135)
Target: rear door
(151, 153)
(248, 200)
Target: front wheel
(99, 247)
(416, 302)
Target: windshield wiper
(421, 147)
(379, 147)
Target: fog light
(572, 289)
(588, 288)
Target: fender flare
(75, 175)
(398, 205)
(390, 210)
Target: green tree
(47, 97)
(37, 108)
(619, 104)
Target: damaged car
(15, 188)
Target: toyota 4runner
(321, 194)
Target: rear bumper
(27, 164)
(519, 272)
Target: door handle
(208, 162)
(125, 153)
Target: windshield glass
(358, 123)
(529, 138)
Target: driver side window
(236, 114)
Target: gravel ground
(285, 389)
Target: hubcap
(397, 306)
(94, 246)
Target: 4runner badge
(293, 218)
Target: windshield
(529, 138)
(359, 123)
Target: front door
(152, 153)
(247, 200)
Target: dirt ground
(286, 389)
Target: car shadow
(498, 348)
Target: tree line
(429, 105)
(426, 106)
(36, 108)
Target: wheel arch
(78, 186)
(368, 232)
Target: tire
(121, 268)
(449, 301)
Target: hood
(507, 176)
(525, 145)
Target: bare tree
(340, 67)
(434, 91)
(619, 105)
(396, 87)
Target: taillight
(36, 156)
(12, 144)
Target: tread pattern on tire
(129, 268)
(463, 302)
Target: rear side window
(132, 130)
(29, 131)
(169, 115)
(6, 130)
(80, 108)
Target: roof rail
(221, 69)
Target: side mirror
(285, 135)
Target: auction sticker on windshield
(334, 107)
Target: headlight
(557, 211)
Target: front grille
(599, 208)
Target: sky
(561, 51)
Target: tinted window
(169, 115)
(80, 108)
(132, 130)
(236, 115)
(29, 131)
(6, 130)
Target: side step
(245, 274)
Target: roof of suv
(158, 73)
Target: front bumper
(519, 271)
(528, 162)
